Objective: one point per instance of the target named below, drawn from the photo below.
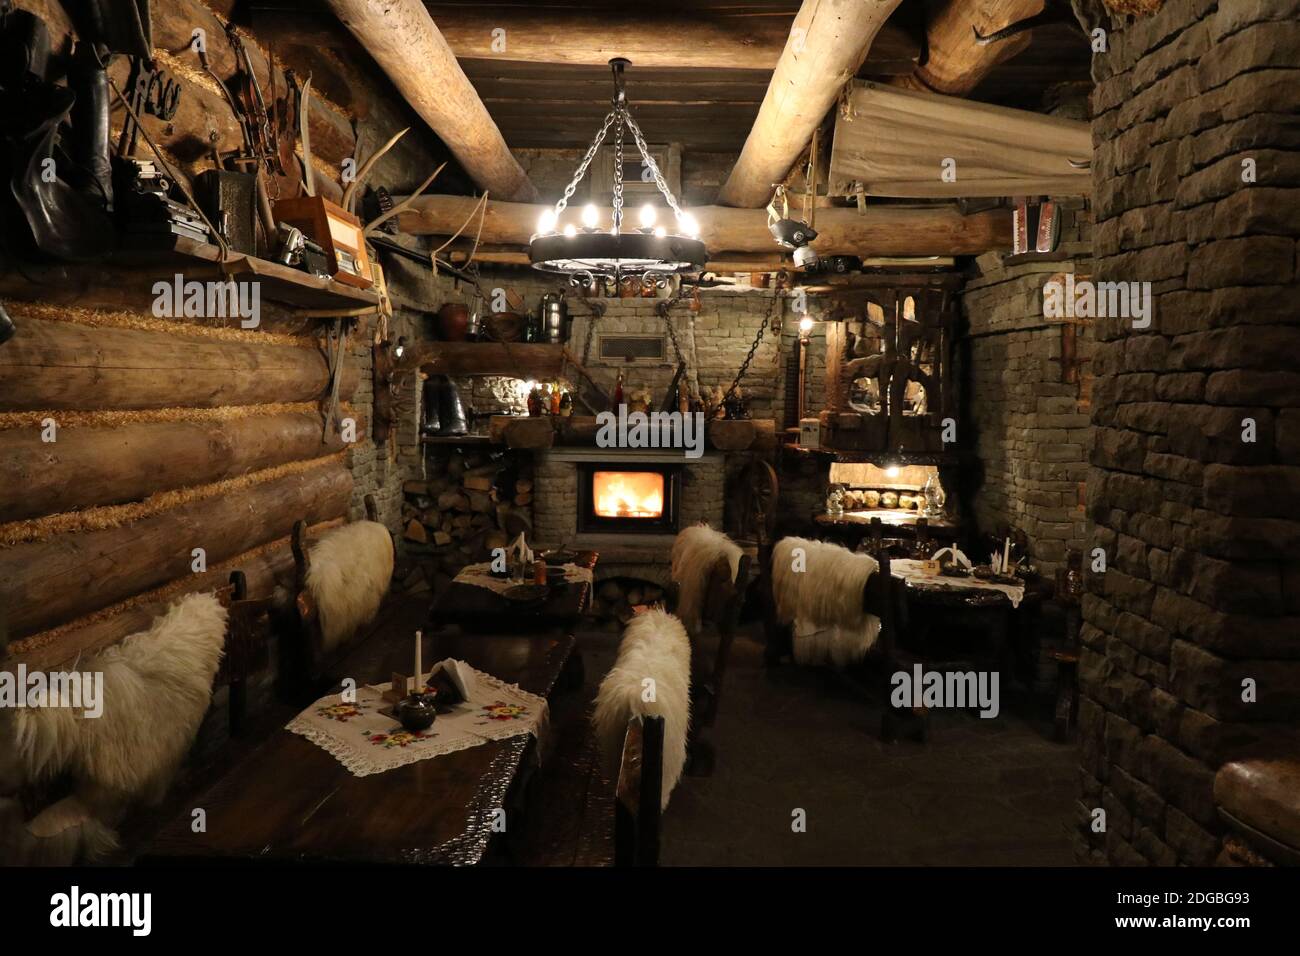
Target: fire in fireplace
(628, 497)
(627, 494)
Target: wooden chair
(881, 596)
(724, 600)
(639, 794)
(308, 663)
(247, 651)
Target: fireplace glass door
(619, 497)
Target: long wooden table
(289, 800)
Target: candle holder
(417, 712)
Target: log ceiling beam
(706, 39)
(404, 41)
(883, 230)
(827, 44)
(955, 63)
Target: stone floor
(980, 792)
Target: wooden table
(289, 800)
(480, 609)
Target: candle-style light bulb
(805, 325)
(569, 231)
(546, 222)
(648, 216)
(689, 225)
(590, 216)
(660, 232)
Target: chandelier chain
(586, 161)
(618, 171)
(652, 165)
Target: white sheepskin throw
(836, 646)
(156, 688)
(824, 600)
(60, 835)
(348, 575)
(654, 645)
(695, 551)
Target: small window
(643, 349)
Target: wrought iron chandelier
(587, 253)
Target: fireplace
(627, 496)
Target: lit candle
(1006, 556)
(419, 668)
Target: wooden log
(893, 230)
(403, 39)
(263, 569)
(705, 39)
(480, 501)
(60, 366)
(453, 501)
(44, 583)
(90, 466)
(828, 42)
(955, 63)
(415, 532)
(478, 482)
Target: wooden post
(883, 230)
(828, 42)
(403, 39)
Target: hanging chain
(618, 172)
(753, 349)
(586, 161)
(652, 165)
(665, 309)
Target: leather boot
(452, 412)
(91, 149)
(431, 402)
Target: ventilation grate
(633, 348)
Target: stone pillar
(1194, 489)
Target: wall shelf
(526, 360)
(279, 283)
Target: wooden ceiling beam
(955, 62)
(883, 230)
(827, 44)
(404, 41)
(706, 39)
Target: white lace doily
(366, 741)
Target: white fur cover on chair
(695, 551)
(824, 601)
(156, 688)
(62, 834)
(654, 645)
(348, 574)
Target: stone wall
(1027, 408)
(1194, 493)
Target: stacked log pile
(471, 503)
(615, 600)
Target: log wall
(129, 441)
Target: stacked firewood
(471, 503)
(615, 599)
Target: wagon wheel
(758, 493)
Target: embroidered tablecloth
(366, 741)
(911, 572)
(480, 575)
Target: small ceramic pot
(889, 499)
(417, 712)
(453, 322)
(871, 499)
